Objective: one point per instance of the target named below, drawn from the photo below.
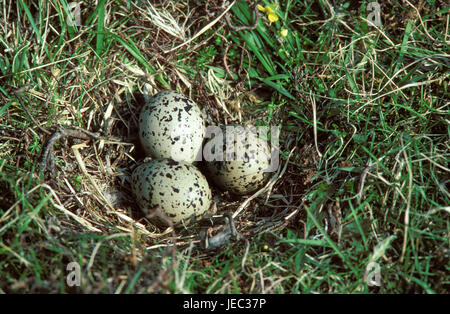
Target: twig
(229, 232)
(225, 63)
(48, 160)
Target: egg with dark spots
(238, 159)
(171, 126)
(178, 189)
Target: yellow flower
(271, 15)
(284, 32)
(269, 10)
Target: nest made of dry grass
(100, 199)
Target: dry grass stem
(204, 29)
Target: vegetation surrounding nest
(364, 158)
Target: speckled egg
(178, 189)
(241, 170)
(171, 126)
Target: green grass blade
(329, 241)
(36, 30)
(278, 88)
(100, 27)
(134, 51)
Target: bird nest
(88, 169)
